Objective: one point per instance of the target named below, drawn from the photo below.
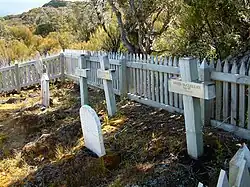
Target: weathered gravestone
(92, 132)
(107, 75)
(81, 71)
(192, 91)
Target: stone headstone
(92, 132)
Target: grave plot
(144, 146)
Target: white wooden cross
(107, 75)
(42, 70)
(81, 71)
(192, 93)
(45, 89)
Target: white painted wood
(124, 77)
(198, 90)
(243, 178)
(62, 67)
(223, 181)
(154, 104)
(82, 73)
(248, 112)
(92, 132)
(157, 94)
(218, 101)
(166, 92)
(17, 73)
(225, 95)
(145, 78)
(242, 98)
(134, 76)
(154, 67)
(141, 78)
(234, 97)
(206, 105)
(108, 88)
(200, 184)
(194, 137)
(161, 82)
(45, 89)
(176, 96)
(171, 94)
(237, 165)
(229, 77)
(152, 79)
(238, 131)
(137, 74)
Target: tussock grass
(12, 169)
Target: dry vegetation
(145, 146)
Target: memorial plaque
(199, 90)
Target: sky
(19, 6)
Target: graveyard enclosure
(145, 79)
(145, 146)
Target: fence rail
(147, 83)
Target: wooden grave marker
(43, 72)
(81, 71)
(45, 89)
(92, 132)
(107, 75)
(192, 91)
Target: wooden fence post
(17, 72)
(206, 110)
(62, 64)
(123, 77)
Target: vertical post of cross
(123, 77)
(82, 63)
(62, 65)
(204, 75)
(194, 137)
(17, 73)
(106, 74)
(45, 90)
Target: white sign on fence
(106, 74)
(199, 90)
(45, 90)
(192, 91)
(92, 132)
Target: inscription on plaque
(199, 90)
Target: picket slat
(171, 94)
(218, 88)
(161, 83)
(166, 93)
(234, 97)
(225, 94)
(176, 96)
(242, 98)
(152, 82)
(145, 78)
(248, 112)
(156, 88)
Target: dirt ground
(145, 146)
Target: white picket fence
(238, 170)
(26, 74)
(146, 81)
